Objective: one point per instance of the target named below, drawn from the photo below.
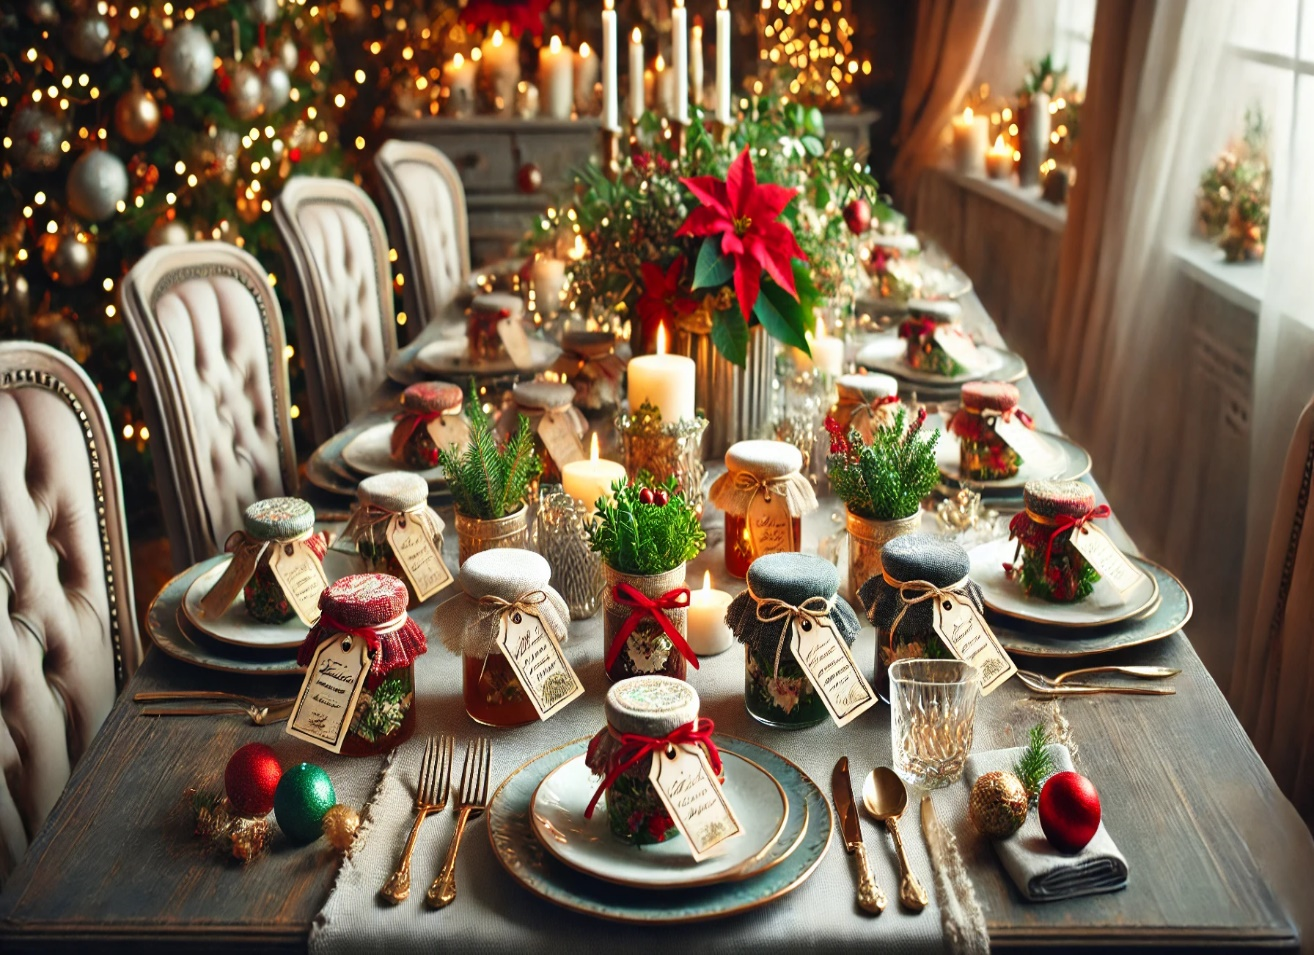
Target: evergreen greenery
(1035, 765)
(489, 480)
(637, 538)
(887, 479)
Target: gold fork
(259, 715)
(474, 799)
(430, 797)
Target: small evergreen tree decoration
(887, 479)
(488, 480)
(646, 528)
(1035, 765)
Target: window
(1074, 22)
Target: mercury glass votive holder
(561, 537)
(665, 448)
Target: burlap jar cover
(866, 402)
(645, 624)
(430, 419)
(763, 496)
(393, 506)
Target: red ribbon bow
(1074, 524)
(640, 607)
(408, 421)
(634, 747)
(918, 328)
(1026, 419)
(882, 401)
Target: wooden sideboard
(490, 152)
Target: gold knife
(870, 897)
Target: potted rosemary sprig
(882, 485)
(489, 482)
(646, 533)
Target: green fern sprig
(489, 480)
(1035, 765)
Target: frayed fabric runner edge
(961, 918)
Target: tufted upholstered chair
(336, 252)
(425, 205)
(206, 337)
(68, 641)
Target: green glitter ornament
(304, 795)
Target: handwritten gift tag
(560, 439)
(957, 346)
(770, 525)
(516, 342)
(298, 571)
(968, 637)
(1109, 562)
(1020, 438)
(538, 662)
(412, 541)
(334, 682)
(829, 665)
(688, 788)
(447, 430)
(246, 555)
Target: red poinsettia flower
(520, 16)
(663, 301)
(746, 217)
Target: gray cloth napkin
(1041, 872)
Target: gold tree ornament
(137, 115)
(69, 255)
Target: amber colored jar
(382, 498)
(551, 404)
(484, 314)
(739, 548)
(493, 694)
(762, 478)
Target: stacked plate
(540, 836)
(442, 351)
(340, 463)
(887, 353)
(1156, 607)
(1055, 459)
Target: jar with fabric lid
(590, 365)
(397, 533)
(506, 615)
(430, 419)
(371, 608)
(482, 318)
(277, 563)
(764, 498)
(789, 592)
(644, 715)
(559, 427)
(1051, 566)
(899, 600)
(983, 453)
(865, 402)
(935, 343)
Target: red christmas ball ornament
(250, 779)
(645, 495)
(1069, 811)
(294, 154)
(529, 178)
(857, 216)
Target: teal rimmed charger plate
(519, 852)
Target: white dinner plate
(1103, 606)
(370, 452)
(236, 626)
(888, 354)
(451, 357)
(557, 817)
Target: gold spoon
(885, 797)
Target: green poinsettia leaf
(813, 145)
(782, 316)
(730, 335)
(712, 268)
(808, 294)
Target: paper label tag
(957, 346)
(537, 659)
(688, 788)
(968, 637)
(1020, 438)
(448, 430)
(1109, 562)
(334, 682)
(412, 541)
(301, 575)
(826, 659)
(560, 439)
(516, 342)
(770, 525)
(239, 570)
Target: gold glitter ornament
(341, 823)
(998, 805)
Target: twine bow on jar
(918, 591)
(770, 609)
(525, 603)
(643, 606)
(369, 516)
(634, 747)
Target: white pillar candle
(501, 66)
(548, 278)
(664, 381)
(663, 85)
(709, 634)
(586, 481)
(586, 77)
(459, 75)
(696, 61)
(680, 60)
(971, 137)
(827, 352)
(636, 75)
(556, 79)
(610, 70)
(723, 114)
(999, 160)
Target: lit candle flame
(609, 4)
(661, 339)
(458, 61)
(707, 580)
(636, 36)
(497, 38)
(999, 143)
(584, 50)
(722, 4)
(579, 250)
(821, 327)
(967, 115)
(660, 63)
(554, 46)
(593, 447)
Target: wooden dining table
(1223, 861)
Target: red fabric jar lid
(368, 601)
(429, 396)
(1058, 498)
(497, 305)
(989, 396)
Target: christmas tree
(132, 123)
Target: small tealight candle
(664, 381)
(586, 481)
(827, 352)
(709, 634)
(548, 278)
(999, 160)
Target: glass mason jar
(482, 318)
(383, 497)
(589, 362)
(1051, 567)
(982, 454)
(865, 401)
(648, 650)
(866, 539)
(492, 692)
(547, 405)
(385, 714)
(918, 332)
(412, 445)
(475, 535)
(762, 488)
(278, 521)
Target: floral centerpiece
(1232, 200)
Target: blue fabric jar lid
(279, 518)
(651, 705)
(925, 557)
(792, 577)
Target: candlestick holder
(680, 133)
(665, 448)
(611, 152)
(561, 536)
